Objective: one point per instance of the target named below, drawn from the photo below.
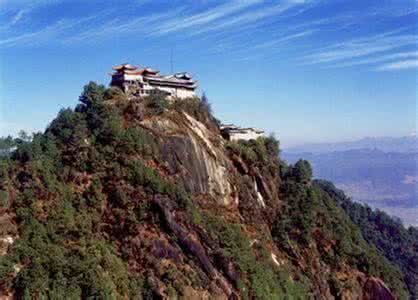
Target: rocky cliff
(143, 199)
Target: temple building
(145, 81)
(232, 132)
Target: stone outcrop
(375, 288)
(190, 153)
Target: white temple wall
(132, 77)
(177, 92)
(164, 88)
(250, 135)
(184, 93)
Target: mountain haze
(406, 144)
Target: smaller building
(145, 81)
(232, 132)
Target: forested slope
(394, 241)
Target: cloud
(379, 59)
(120, 26)
(154, 24)
(400, 65)
(15, 5)
(45, 33)
(216, 22)
(204, 18)
(174, 21)
(361, 47)
(18, 16)
(227, 14)
(284, 39)
(395, 10)
(253, 16)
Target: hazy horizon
(289, 144)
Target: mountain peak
(142, 197)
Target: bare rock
(376, 289)
(192, 157)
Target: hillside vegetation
(136, 198)
(394, 241)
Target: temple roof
(183, 75)
(149, 71)
(124, 67)
(133, 72)
(182, 79)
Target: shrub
(6, 266)
(199, 109)
(141, 211)
(242, 149)
(92, 95)
(141, 175)
(272, 146)
(6, 146)
(4, 171)
(262, 151)
(4, 199)
(119, 197)
(108, 126)
(156, 103)
(264, 281)
(302, 171)
(138, 141)
(93, 194)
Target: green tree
(24, 136)
(157, 102)
(92, 95)
(302, 171)
(205, 104)
(6, 145)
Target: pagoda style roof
(127, 72)
(124, 67)
(150, 71)
(183, 75)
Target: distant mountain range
(406, 144)
(381, 172)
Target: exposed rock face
(191, 155)
(365, 288)
(375, 288)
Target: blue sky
(307, 70)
